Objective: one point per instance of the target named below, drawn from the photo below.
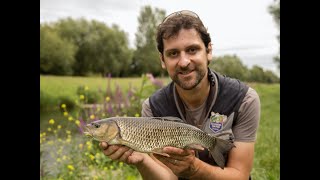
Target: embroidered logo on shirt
(216, 121)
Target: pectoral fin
(159, 151)
(195, 147)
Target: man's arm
(238, 167)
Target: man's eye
(192, 50)
(172, 53)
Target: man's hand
(181, 161)
(122, 153)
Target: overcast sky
(244, 28)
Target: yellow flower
(68, 140)
(107, 98)
(137, 115)
(77, 122)
(91, 157)
(64, 157)
(70, 172)
(63, 106)
(92, 116)
(70, 118)
(59, 126)
(103, 114)
(58, 160)
(65, 113)
(80, 146)
(55, 131)
(68, 132)
(51, 121)
(49, 129)
(86, 88)
(88, 143)
(81, 97)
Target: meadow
(66, 154)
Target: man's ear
(209, 52)
(163, 65)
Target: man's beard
(188, 85)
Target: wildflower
(70, 118)
(92, 116)
(55, 131)
(64, 157)
(80, 146)
(107, 98)
(81, 97)
(63, 106)
(77, 122)
(105, 168)
(58, 160)
(103, 114)
(49, 129)
(59, 126)
(137, 115)
(120, 164)
(68, 132)
(68, 140)
(65, 113)
(70, 167)
(51, 121)
(111, 167)
(70, 172)
(86, 88)
(91, 157)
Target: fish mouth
(87, 131)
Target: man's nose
(184, 60)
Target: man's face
(185, 58)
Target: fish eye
(96, 125)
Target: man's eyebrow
(188, 47)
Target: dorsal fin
(169, 118)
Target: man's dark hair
(174, 24)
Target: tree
(101, 49)
(230, 66)
(146, 57)
(56, 54)
(274, 10)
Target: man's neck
(197, 96)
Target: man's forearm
(151, 170)
(207, 171)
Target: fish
(152, 134)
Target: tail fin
(219, 149)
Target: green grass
(267, 148)
(56, 86)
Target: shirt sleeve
(246, 126)
(146, 110)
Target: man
(201, 97)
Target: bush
(90, 96)
(70, 103)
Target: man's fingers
(103, 145)
(125, 155)
(116, 154)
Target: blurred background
(98, 58)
